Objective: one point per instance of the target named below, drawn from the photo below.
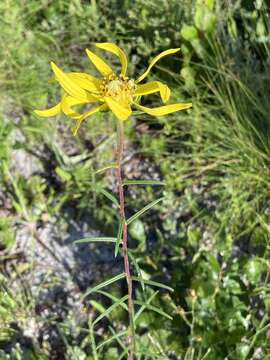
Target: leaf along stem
(120, 148)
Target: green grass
(208, 239)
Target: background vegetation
(209, 239)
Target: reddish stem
(120, 148)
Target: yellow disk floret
(120, 88)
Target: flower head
(116, 93)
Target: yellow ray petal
(85, 115)
(152, 87)
(164, 110)
(66, 105)
(102, 67)
(121, 112)
(156, 58)
(67, 84)
(116, 51)
(85, 81)
(49, 112)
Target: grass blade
(105, 283)
(143, 210)
(143, 182)
(95, 239)
(153, 283)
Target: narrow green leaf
(143, 210)
(143, 182)
(153, 283)
(63, 174)
(122, 345)
(134, 261)
(110, 309)
(206, 354)
(105, 283)
(149, 353)
(95, 239)
(143, 307)
(112, 166)
(112, 298)
(119, 237)
(122, 356)
(92, 340)
(153, 308)
(110, 196)
(114, 337)
(99, 307)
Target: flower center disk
(119, 88)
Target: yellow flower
(112, 92)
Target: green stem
(93, 342)
(120, 149)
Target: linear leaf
(153, 308)
(97, 306)
(153, 283)
(143, 307)
(110, 196)
(134, 261)
(110, 309)
(119, 237)
(149, 353)
(112, 166)
(92, 340)
(122, 345)
(105, 283)
(95, 239)
(143, 182)
(143, 210)
(123, 354)
(112, 298)
(114, 337)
